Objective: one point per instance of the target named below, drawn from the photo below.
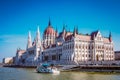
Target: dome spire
(49, 23)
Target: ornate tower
(38, 45)
(38, 40)
(63, 32)
(110, 37)
(49, 35)
(29, 42)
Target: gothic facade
(67, 47)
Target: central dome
(49, 30)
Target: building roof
(106, 40)
(69, 37)
(49, 30)
(21, 51)
(94, 34)
(84, 37)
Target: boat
(46, 68)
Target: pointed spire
(74, 32)
(38, 30)
(29, 35)
(49, 23)
(29, 43)
(110, 34)
(110, 37)
(56, 32)
(38, 34)
(38, 40)
(64, 31)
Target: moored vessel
(46, 68)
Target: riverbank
(83, 68)
(18, 66)
(94, 68)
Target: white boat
(45, 68)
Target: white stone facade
(67, 48)
(8, 60)
(81, 48)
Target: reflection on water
(30, 74)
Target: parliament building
(66, 47)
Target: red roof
(84, 37)
(106, 40)
(50, 31)
(66, 34)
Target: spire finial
(110, 37)
(38, 29)
(29, 43)
(38, 40)
(74, 32)
(38, 34)
(29, 34)
(110, 34)
(49, 23)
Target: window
(92, 46)
(76, 46)
(83, 55)
(102, 47)
(53, 57)
(86, 47)
(89, 55)
(79, 46)
(89, 46)
(46, 58)
(86, 55)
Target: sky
(17, 17)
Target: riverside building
(66, 48)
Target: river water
(30, 74)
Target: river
(30, 74)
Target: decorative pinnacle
(49, 23)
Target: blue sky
(17, 17)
